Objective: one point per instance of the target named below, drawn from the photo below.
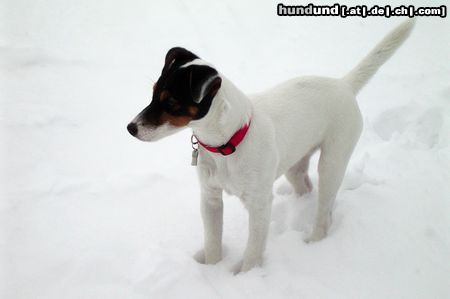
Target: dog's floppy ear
(203, 81)
(179, 56)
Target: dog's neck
(230, 110)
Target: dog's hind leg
(297, 175)
(334, 157)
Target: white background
(87, 211)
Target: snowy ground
(86, 211)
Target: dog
(246, 143)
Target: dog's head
(184, 92)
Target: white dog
(245, 144)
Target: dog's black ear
(178, 56)
(203, 81)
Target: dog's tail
(361, 74)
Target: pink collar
(229, 147)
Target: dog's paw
(237, 268)
(212, 258)
(319, 232)
(245, 266)
(320, 228)
(199, 256)
(315, 236)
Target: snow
(86, 211)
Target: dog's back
(310, 107)
(319, 108)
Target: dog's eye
(172, 104)
(171, 101)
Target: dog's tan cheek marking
(193, 111)
(176, 121)
(164, 95)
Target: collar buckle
(226, 149)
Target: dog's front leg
(259, 209)
(212, 215)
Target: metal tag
(194, 143)
(194, 157)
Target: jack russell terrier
(243, 144)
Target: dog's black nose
(132, 128)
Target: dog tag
(194, 157)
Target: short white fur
(289, 123)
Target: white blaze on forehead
(196, 61)
(170, 64)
